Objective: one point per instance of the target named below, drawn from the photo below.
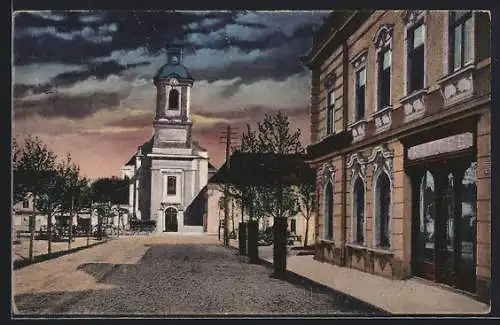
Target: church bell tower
(172, 122)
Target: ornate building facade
(400, 141)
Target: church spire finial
(174, 51)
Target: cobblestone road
(164, 275)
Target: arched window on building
(173, 99)
(359, 211)
(382, 211)
(329, 211)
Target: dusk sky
(98, 69)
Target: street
(164, 275)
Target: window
(359, 211)
(329, 211)
(173, 99)
(171, 185)
(382, 206)
(461, 39)
(416, 57)
(384, 78)
(427, 215)
(26, 204)
(293, 226)
(360, 94)
(330, 126)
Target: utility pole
(228, 137)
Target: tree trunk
(32, 231)
(306, 235)
(49, 233)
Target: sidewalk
(410, 296)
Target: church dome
(173, 70)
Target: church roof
(146, 147)
(211, 167)
(173, 70)
(197, 146)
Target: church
(169, 173)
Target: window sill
(356, 246)
(381, 251)
(326, 241)
(359, 122)
(414, 95)
(456, 73)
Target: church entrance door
(171, 220)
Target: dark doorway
(444, 222)
(171, 220)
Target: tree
(105, 191)
(274, 136)
(34, 165)
(306, 191)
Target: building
(400, 141)
(169, 173)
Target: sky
(83, 80)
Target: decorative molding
(330, 80)
(328, 173)
(383, 36)
(410, 17)
(414, 105)
(173, 82)
(457, 86)
(359, 60)
(383, 119)
(358, 130)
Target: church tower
(172, 123)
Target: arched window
(382, 210)
(359, 211)
(329, 211)
(173, 99)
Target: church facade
(169, 173)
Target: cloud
(95, 35)
(91, 18)
(40, 73)
(61, 104)
(47, 15)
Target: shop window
(427, 215)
